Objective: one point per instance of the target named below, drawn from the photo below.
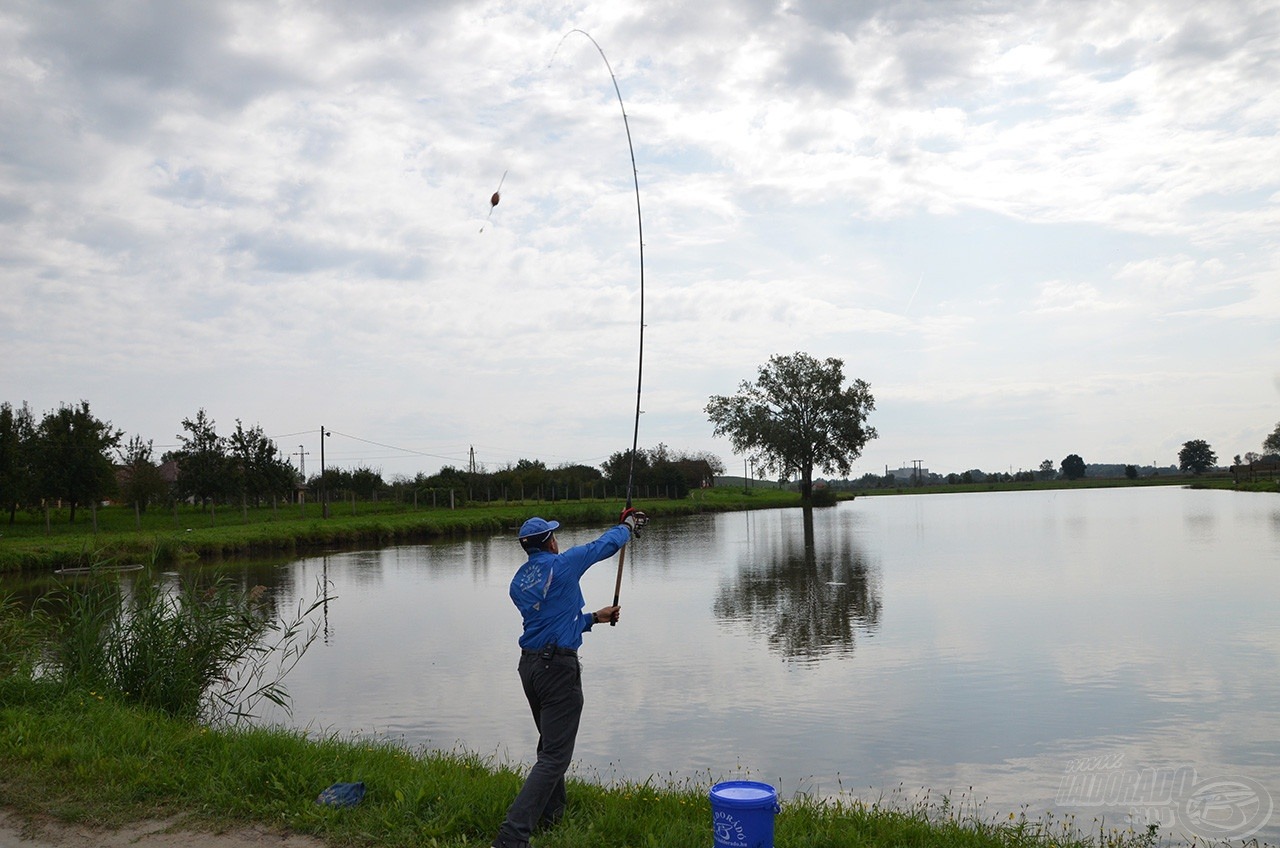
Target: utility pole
(324, 489)
(471, 472)
(302, 470)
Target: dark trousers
(554, 689)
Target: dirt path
(19, 832)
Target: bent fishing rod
(635, 176)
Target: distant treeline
(70, 457)
(657, 472)
(1071, 468)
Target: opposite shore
(184, 533)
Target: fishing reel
(634, 519)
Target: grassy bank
(189, 533)
(82, 757)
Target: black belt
(556, 652)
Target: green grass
(191, 533)
(80, 756)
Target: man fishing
(546, 591)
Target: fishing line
(914, 293)
(635, 176)
(635, 436)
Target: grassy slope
(192, 533)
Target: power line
(392, 447)
(464, 456)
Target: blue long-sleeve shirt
(546, 591)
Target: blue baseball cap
(537, 527)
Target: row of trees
(659, 471)
(62, 456)
(1270, 451)
(72, 457)
(246, 466)
(797, 417)
(1195, 457)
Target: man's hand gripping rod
(634, 519)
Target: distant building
(908, 475)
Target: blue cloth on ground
(342, 795)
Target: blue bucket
(742, 814)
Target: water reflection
(807, 599)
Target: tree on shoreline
(1271, 444)
(662, 469)
(797, 416)
(1073, 467)
(71, 447)
(257, 468)
(1196, 456)
(17, 437)
(203, 469)
(140, 478)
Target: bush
(825, 496)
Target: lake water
(1110, 655)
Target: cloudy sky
(1034, 228)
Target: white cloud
(275, 211)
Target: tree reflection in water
(808, 602)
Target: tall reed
(197, 649)
(22, 629)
